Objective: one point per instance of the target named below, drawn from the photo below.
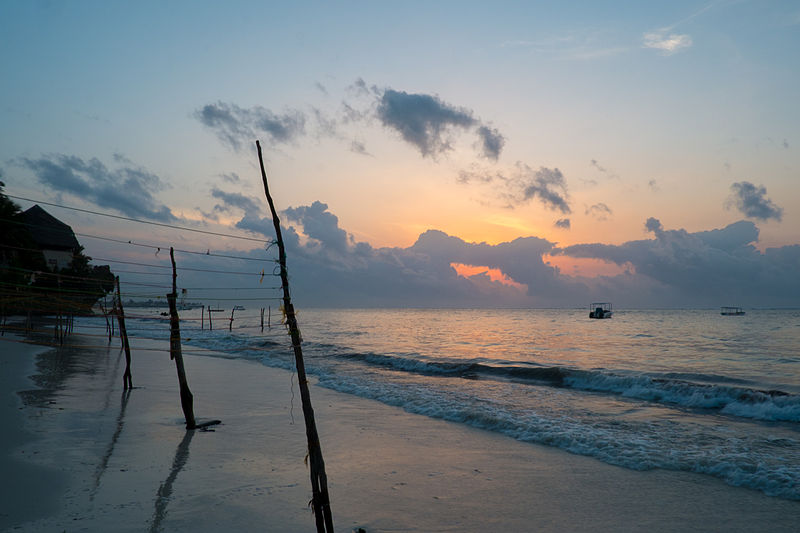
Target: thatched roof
(48, 232)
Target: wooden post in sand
(262, 320)
(202, 316)
(320, 501)
(127, 382)
(187, 400)
(230, 325)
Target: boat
(238, 308)
(600, 310)
(731, 311)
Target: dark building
(55, 239)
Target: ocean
(685, 390)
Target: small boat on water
(731, 311)
(600, 310)
(238, 308)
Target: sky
(432, 154)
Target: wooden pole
(210, 325)
(187, 400)
(262, 320)
(319, 480)
(230, 324)
(202, 316)
(127, 382)
(269, 317)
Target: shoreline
(129, 465)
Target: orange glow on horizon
(494, 274)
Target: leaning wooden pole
(187, 400)
(127, 382)
(319, 480)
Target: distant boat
(215, 310)
(238, 308)
(600, 310)
(731, 311)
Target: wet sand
(86, 456)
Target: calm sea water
(683, 390)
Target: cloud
(668, 44)
(599, 211)
(545, 184)
(702, 268)
(422, 120)
(674, 269)
(236, 200)
(602, 169)
(653, 184)
(235, 125)
(321, 88)
(596, 165)
(358, 147)
(491, 142)
(752, 202)
(653, 225)
(521, 184)
(231, 177)
(319, 224)
(128, 189)
(562, 223)
(477, 175)
(426, 122)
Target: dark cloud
(599, 211)
(653, 225)
(545, 184)
(235, 125)
(426, 122)
(129, 189)
(236, 200)
(319, 224)
(673, 269)
(522, 184)
(706, 268)
(752, 202)
(491, 142)
(422, 120)
(563, 223)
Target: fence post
(187, 399)
(319, 480)
(127, 382)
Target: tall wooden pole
(187, 400)
(127, 383)
(319, 480)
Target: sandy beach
(79, 454)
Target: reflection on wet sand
(101, 468)
(165, 490)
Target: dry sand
(81, 455)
